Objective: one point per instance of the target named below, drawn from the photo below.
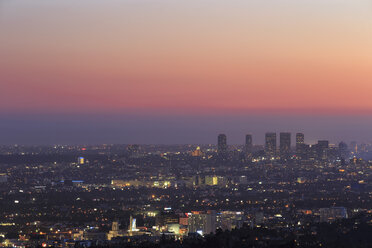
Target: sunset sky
(167, 71)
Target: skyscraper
(248, 144)
(300, 145)
(322, 149)
(270, 144)
(285, 145)
(343, 150)
(222, 144)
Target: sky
(165, 71)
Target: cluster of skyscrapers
(304, 151)
(284, 144)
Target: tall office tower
(300, 145)
(323, 147)
(248, 144)
(270, 145)
(222, 144)
(343, 150)
(285, 145)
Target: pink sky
(186, 56)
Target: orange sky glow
(186, 56)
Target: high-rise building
(248, 144)
(343, 149)
(312, 152)
(270, 144)
(300, 145)
(323, 147)
(285, 145)
(222, 144)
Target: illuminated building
(332, 214)
(248, 144)
(344, 152)
(243, 180)
(164, 220)
(300, 145)
(285, 145)
(222, 144)
(211, 180)
(197, 152)
(132, 225)
(81, 160)
(174, 228)
(301, 180)
(270, 145)
(322, 149)
(202, 223)
(228, 220)
(115, 232)
(184, 221)
(197, 180)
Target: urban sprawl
(288, 195)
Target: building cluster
(321, 151)
(68, 196)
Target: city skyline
(185, 124)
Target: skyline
(236, 67)
(185, 123)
